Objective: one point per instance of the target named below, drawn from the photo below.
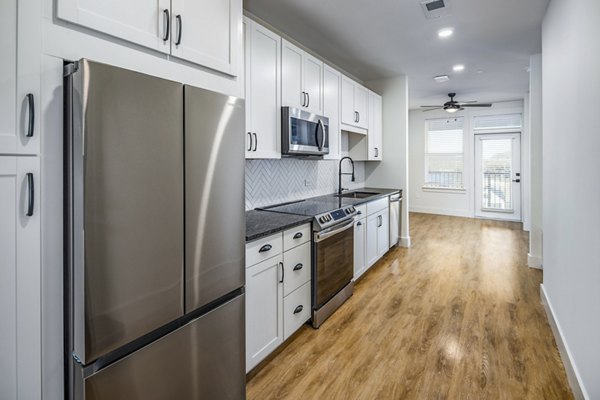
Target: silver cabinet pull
(298, 309)
(266, 247)
(282, 272)
(298, 267)
(298, 235)
(179, 29)
(30, 195)
(249, 142)
(255, 141)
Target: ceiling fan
(454, 106)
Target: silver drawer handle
(266, 247)
(298, 267)
(298, 235)
(298, 309)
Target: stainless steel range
(333, 253)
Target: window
(497, 123)
(444, 160)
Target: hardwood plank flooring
(457, 316)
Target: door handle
(380, 219)
(298, 309)
(30, 194)
(303, 99)
(179, 29)
(298, 267)
(358, 116)
(516, 180)
(355, 116)
(307, 99)
(31, 119)
(167, 25)
(282, 272)
(376, 152)
(255, 141)
(250, 142)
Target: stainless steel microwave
(303, 133)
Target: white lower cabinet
(278, 288)
(360, 232)
(376, 236)
(264, 310)
(20, 284)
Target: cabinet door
(371, 247)
(383, 233)
(208, 33)
(264, 310)
(313, 83)
(137, 21)
(263, 96)
(361, 101)
(375, 134)
(348, 110)
(292, 65)
(332, 80)
(359, 247)
(20, 331)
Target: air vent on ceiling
(435, 8)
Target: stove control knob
(322, 219)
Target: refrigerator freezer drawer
(202, 360)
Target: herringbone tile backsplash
(277, 181)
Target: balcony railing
(497, 190)
(445, 180)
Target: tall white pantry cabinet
(20, 211)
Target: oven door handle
(320, 236)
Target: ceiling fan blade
(433, 109)
(467, 102)
(438, 106)
(477, 105)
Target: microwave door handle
(322, 137)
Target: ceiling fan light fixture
(441, 78)
(458, 68)
(445, 32)
(452, 109)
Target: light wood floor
(457, 316)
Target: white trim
(441, 211)
(534, 261)
(443, 190)
(573, 375)
(404, 242)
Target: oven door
(304, 133)
(334, 261)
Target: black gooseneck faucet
(340, 173)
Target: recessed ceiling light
(441, 78)
(446, 32)
(458, 67)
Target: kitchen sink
(357, 195)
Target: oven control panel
(331, 218)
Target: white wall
(392, 172)
(571, 178)
(535, 163)
(457, 203)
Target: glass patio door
(498, 176)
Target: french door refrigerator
(154, 272)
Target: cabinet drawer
(377, 205)
(296, 310)
(296, 236)
(296, 264)
(263, 249)
(361, 211)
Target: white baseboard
(534, 261)
(441, 211)
(573, 376)
(404, 242)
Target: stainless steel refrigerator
(154, 273)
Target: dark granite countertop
(261, 223)
(264, 223)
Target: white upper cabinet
(375, 134)
(207, 32)
(355, 110)
(19, 78)
(263, 94)
(137, 21)
(332, 81)
(301, 79)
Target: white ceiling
(382, 38)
